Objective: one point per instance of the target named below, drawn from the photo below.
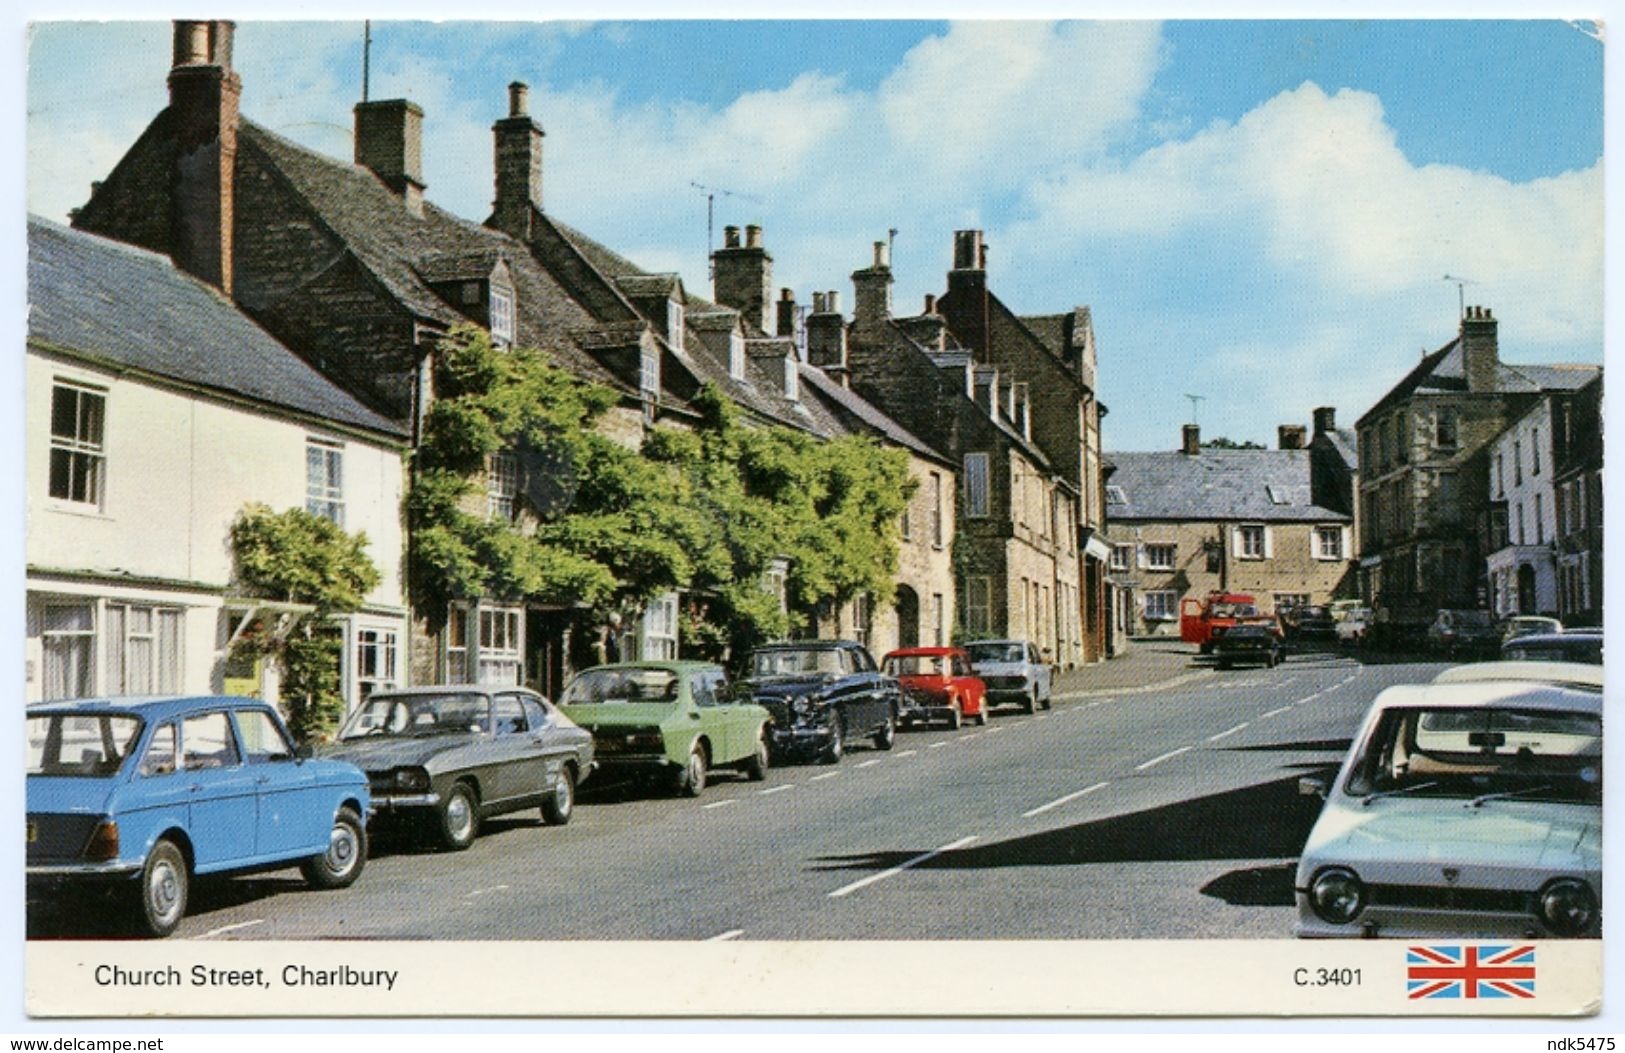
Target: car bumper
(802, 738)
(636, 764)
(402, 802)
(113, 868)
(999, 695)
(1399, 923)
(915, 712)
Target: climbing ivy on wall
(706, 510)
(297, 557)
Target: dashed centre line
(906, 753)
(936, 745)
(870, 763)
(721, 804)
(846, 890)
(239, 925)
(731, 934)
(1041, 809)
(1228, 732)
(777, 789)
(1166, 756)
(826, 775)
(1275, 712)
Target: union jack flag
(1471, 971)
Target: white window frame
(1153, 549)
(936, 510)
(736, 356)
(502, 320)
(1245, 532)
(324, 479)
(674, 324)
(85, 453)
(500, 658)
(863, 606)
(1332, 551)
(1122, 557)
(1161, 605)
(501, 486)
(377, 660)
(938, 627)
(656, 636)
(53, 640)
(792, 379)
(164, 635)
(978, 489)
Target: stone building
(156, 411)
(1426, 514)
(1201, 519)
(1016, 551)
(1577, 447)
(353, 265)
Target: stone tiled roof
(861, 415)
(1565, 377)
(397, 247)
(1216, 485)
(1446, 370)
(123, 306)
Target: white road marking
(995, 731)
(870, 763)
(899, 868)
(936, 745)
(826, 775)
(721, 804)
(1308, 698)
(1225, 734)
(967, 736)
(906, 753)
(1166, 756)
(778, 789)
(483, 891)
(729, 935)
(1062, 800)
(1274, 712)
(1091, 705)
(239, 925)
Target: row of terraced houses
(233, 318)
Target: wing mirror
(304, 752)
(1312, 786)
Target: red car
(937, 685)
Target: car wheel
(459, 818)
(692, 781)
(956, 715)
(1046, 701)
(837, 742)
(346, 854)
(756, 767)
(1030, 703)
(561, 803)
(981, 714)
(887, 735)
(163, 888)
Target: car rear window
(621, 685)
(917, 665)
(76, 744)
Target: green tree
(297, 557)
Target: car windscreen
(418, 716)
(996, 652)
(80, 744)
(1587, 650)
(621, 685)
(791, 661)
(1526, 754)
(1234, 610)
(917, 665)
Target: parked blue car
(151, 792)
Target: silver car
(1470, 807)
(1013, 671)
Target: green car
(675, 721)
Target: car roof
(906, 652)
(802, 645)
(674, 665)
(448, 689)
(1577, 674)
(979, 643)
(148, 707)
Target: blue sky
(1260, 213)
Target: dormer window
(649, 374)
(792, 379)
(674, 324)
(501, 315)
(736, 356)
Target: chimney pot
(832, 300)
(1290, 436)
(1325, 419)
(882, 256)
(730, 237)
(1192, 439)
(818, 303)
(518, 99)
(968, 254)
(930, 303)
(787, 295)
(753, 236)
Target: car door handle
(262, 780)
(196, 787)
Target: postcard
(740, 518)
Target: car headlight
(1568, 907)
(412, 778)
(1336, 895)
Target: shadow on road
(1314, 746)
(1267, 821)
(1255, 886)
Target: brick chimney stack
(743, 277)
(1192, 440)
(389, 140)
(786, 309)
(1325, 420)
(966, 303)
(204, 94)
(871, 286)
(518, 151)
(1480, 350)
(1291, 436)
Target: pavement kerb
(1160, 685)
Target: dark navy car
(151, 792)
(822, 694)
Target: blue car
(148, 793)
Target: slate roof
(1446, 370)
(123, 306)
(1216, 485)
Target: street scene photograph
(817, 481)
